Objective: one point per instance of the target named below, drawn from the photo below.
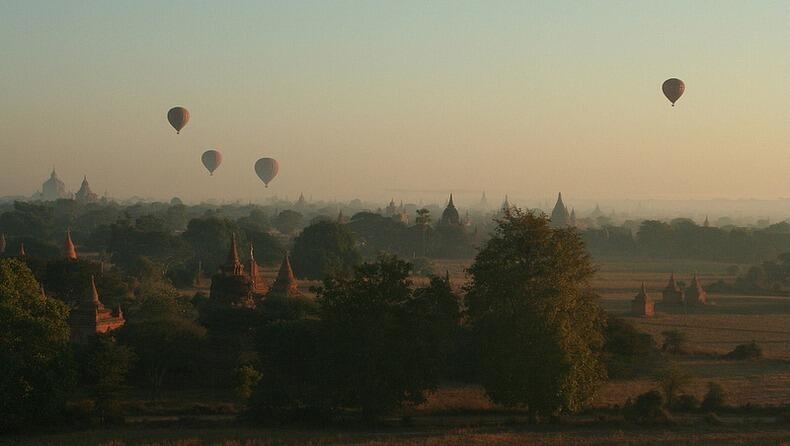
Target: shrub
(745, 351)
(715, 397)
(674, 342)
(647, 409)
(673, 380)
(80, 412)
(246, 380)
(712, 419)
(686, 403)
(627, 351)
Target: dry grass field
(713, 330)
(512, 434)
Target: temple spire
(94, 292)
(285, 282)
(233, 265)
(22, 252)
(258, 281)
(450, 203)
(69, 251)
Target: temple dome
(450, 214)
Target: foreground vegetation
(386, 351)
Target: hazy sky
(398, 98)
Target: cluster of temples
(236, 285)
(243, 287)
(673, 295)
(693, 295)
(89, 316)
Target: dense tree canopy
(36, 366)
(324, 247)
(380, 335)
(536, 323)
(377, 343)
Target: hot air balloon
(178, 117)
(211, 159)
(267, 168)
(673, 89)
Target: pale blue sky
(358, 98)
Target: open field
(511, 433)
(716, 329)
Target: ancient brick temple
(92, 317)
(240, 287)
(695, 294)
(231, 286)
(672, 294)
(642, 305)
(285, 284)
(85, 194)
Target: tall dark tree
(167, 341)
(322, 248)
(536, 323)
(378, 336)
(37, 370)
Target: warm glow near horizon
(365, 99)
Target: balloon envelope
(673, 89)
(267, 168)
(211, 159)
(178, 117)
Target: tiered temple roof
(672, 294)
(53, 188)
(233, 265)
(560, 217)
(92, 317)
(85, 194)
(450, 214)
(285, 284)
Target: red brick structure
(285, 284)
(231, 286)
(695, 294)
(672, 294)
(91, 317)
(69, 250)
(642, 306)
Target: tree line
(529, 330)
